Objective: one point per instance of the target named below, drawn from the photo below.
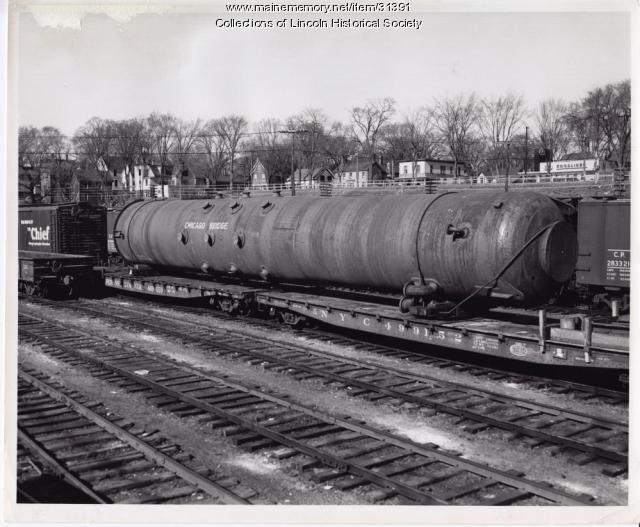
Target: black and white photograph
(331, 254)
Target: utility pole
(526, 150)
(293, 175)
(292, 133)
(506, 179)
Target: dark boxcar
(604, 243)
(69, 228)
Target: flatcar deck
(596, 348)
(175, 286)
(477, 334)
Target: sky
(184, 64)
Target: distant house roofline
(428, 160)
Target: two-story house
(359, 173)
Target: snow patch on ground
(420, 433)
(256, 464)
(148, 338)
(37, 355)
(575, 487)
(513, 385)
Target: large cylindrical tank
(460, 240)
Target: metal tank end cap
(558, 251)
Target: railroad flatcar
(300, 258)
(513, 246)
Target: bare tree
(601, 122)
(620, 122)
(186, 135)
(94, 140)
(29, 146)
(267, 144)
(553, 132)
(418, 129)
(212, 144)
(336, 145)
(500, 120)
(231, 128)
(313, 121)
(456, 118)
(130, 141)
(367, 122)
(160, 132)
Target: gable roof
(578, 156)
(257, 165)
(429, 160)
(361, 166)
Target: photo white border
(290, 515)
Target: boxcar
(68, 228)
(604, 247)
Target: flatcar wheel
(291, 319)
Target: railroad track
(580, 391)
(104, 457)
(327, 447)
(584, 437)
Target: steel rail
(376, 368)
(505, 424)
(56, 466)
(499, 476)
(592, 390)
(162, 459)
(435, 361)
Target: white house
(259, 175)
(358, 173)
(432, 168)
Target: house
(359, 173)
(431, 168)
(312, 178)
(258, 175)
(29, 184)
(91, 184)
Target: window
(441, 169)
(406, 169)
